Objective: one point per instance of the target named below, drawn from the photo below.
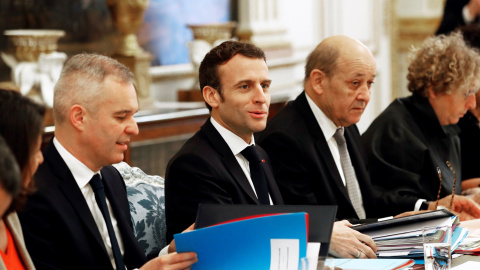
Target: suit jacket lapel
(320, 143)
(69, 187)
(231, 163)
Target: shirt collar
(80, 171)
(234, 142)
(326, 125)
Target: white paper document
(284, 254)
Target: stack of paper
(405, 241)
(469, 246)
(270, 242)
(373, 264)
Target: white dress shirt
(236, 145)
(329, 128)
(82, 175)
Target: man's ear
(317, 78)
(211, 96)
(78, 116)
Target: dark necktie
(97, 186)
(257, 174)
(349, 173)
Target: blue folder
(244, 244)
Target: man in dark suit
(210, 167)
(80, 216)
(300, 140)
(458, 13)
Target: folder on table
(431, 215)
(321, 217)
(256, 243)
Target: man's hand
(172, 261)
(172, 248)
(473, 8)
(465, 208)
(347, 243)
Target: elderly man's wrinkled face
(449, 108)
(347, 90)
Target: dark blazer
(59, 229)
(206, 171)
(470, 145)
(452, 16)
(303, 165)
(404, 146)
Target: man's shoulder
(288, 121)
(195, 149)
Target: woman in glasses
(413, 148)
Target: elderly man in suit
(313, 142)
(80, 217)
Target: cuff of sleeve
(164, 251)
(418, 204)
(466, 15)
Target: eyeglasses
(469, 93)
(440, 188)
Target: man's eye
(355, 83)
(265, 86)
(244, 86)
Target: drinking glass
(317, 263)
(437, 243)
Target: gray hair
(81, 81)
(324, 58)
(444, 63)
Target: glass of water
(317, 263)
(437, 242)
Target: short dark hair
(208, 71)
(21, 123)
(10, 179)
(471, 34)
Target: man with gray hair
(313, 142)
(80, 216)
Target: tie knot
(96, 182)
(339, 136)
(251, 154)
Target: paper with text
(284, 254)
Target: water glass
(317, 263)
(437, 243)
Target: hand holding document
(402, 237)
(271, 242)
(349, 243)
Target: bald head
(333, 51)
(338, 77)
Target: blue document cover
(248, 244)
